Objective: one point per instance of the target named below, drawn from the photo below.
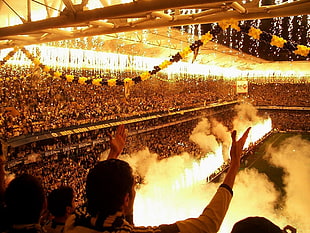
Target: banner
(242, 87)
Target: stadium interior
(180, 75)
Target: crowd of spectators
(66, 160)
(37, 104)
(166, 141)
(58, 144)
(173, 138)
(69, 167)
(166, 135)
(284, 95)
(280, 94)
(290, 120)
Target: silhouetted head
(24, 198)
(59, 200)
(108, 185)
(255, 225)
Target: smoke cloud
(293, 156)
(223, 135)
(255, 194)
(208, 135)
(170, 190)
(246, 116)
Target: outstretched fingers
(244, 137)
(117, 143)
(121, 131)
(237, 146)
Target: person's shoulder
(3, 219)
(52, 227)
(25, 230)
(80, 229)
(165, 228)
(72, 227)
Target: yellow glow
(162, 199)
(57, 57)
(97, 4)
(258, 131)
(94, 4)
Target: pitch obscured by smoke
(166, 195)
(254, 193)
(293, 156)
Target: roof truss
(75, 21)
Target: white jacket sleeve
(212, 216)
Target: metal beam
(100, 28)
(301, 7)
(264, 13)
(29, 10)
(15, 12)
(69, 6)
(113, 11)
(48, 10)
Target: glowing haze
(176, 188)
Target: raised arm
(117, 143)
(235, 155)
(212, 217)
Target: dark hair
(255, 225)
(59, 199)
(24, 199)
(106, 186)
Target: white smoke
(167, 196)
(209, 135)
(222, 133)
(255, 195)
(201, 136)
(247, 116)
(142, 161)
(293, 156)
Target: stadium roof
(140, 26)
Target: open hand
(237, 146)
(117, 143)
